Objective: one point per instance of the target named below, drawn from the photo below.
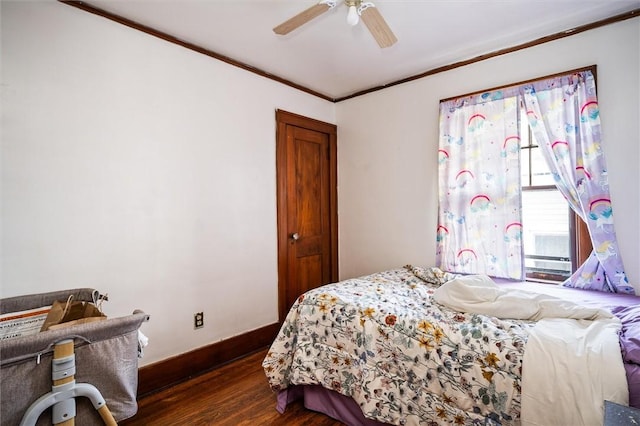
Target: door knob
(295, 236)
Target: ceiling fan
(357, 9)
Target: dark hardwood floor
(232, 395)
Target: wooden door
(306, 157)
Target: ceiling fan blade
(301, 18)
(378, 26)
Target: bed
(379, 349)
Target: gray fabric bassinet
(106, 356)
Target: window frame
(580, 246)
(580, 240)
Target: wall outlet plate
(198, 320)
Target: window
(548, 233)
(500, 213)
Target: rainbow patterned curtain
(564, 116)
(479, 219)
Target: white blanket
(572, 360)
(478, 294)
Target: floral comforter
(404, 359)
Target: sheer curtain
(564, 116)
(479, 219)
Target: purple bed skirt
(326, 401)
(625, 307)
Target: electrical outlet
(198, 320)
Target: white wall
(388, 141)
(142, 169)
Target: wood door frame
(284, 119)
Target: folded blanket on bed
(572, 360)
(478, 294)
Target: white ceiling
(336, 60)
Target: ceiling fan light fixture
(358, 10)
(352, 16)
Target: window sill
(543, 281)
